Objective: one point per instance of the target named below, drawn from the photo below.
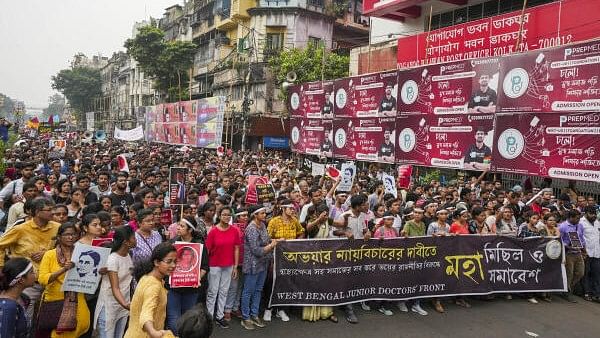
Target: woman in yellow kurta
(149, 304)
(54, 265)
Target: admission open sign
(341, 271)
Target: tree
(80, 85)
(168, 62)
(6, 105)
(56, 105)
(308, 64)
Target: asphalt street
(495, 318)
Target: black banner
(341, 271)
(265, 192)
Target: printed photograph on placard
(561, 79)
(372, 95)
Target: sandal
(587, 297)
(333, 318)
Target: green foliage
(308, 64)
(80, 85)
(56, 105)
(168, 62)
(6, 105)
(12, 138)
(431, 175)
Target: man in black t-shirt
(327, 146)
(387, 106)
(477, 154)
(484, 99)
(119, 196)
(386, 150)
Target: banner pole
(518, 42)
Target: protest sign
(389, 184)
(85, 276)
(336, 272)
(130, 135)
(187, 271)
(177, 190)
(265, 192)
(348, 173)
(318, 169)
(251, 193)
(104, 242)
(404, 175)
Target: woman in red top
(223, 245)
(460, 226)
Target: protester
(148, 309)
(16, 275)
(574, 263)
(74, 319)
(591, 235)
(146, 237)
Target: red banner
(404, 175)
(187, 271)
(450, 141)
(545, 26)
(251, 192)
(561, 145)
(307, 135)
(367, 95)
(311, 100)
(562, 79)
(453, 88)
(365, 139)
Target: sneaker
(222, 323)
(284, 317)
(418, 309)
(386, 311)
(267, 315)
(532, 300)
(227, 316)
(365, 306)
(247, 324)
(402, 306)
(258, 322)
(351, 317)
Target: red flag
(404, 175)
(123, 166)
(332, 172)
(51, 120)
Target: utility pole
(246, 102)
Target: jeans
(235, 293)
(177, 304)
(591, 280)
(117, 330)
(253, 286)
(219, 279)
(575, 269)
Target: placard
(85, 276)
(348, 173)
(187, 270)
(177, 189)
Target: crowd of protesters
(50, 205)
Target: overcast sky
(39, 37)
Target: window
(479, 11)
(313, 41)
(274, 41)
(316, 3)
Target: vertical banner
(187, 271)
(561, 79)
(372, 95)
(150, 123)
(365, 139)
(560, 145)
(177, 190)
(452, 88)
(449, 141)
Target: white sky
(39, 37)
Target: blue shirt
(565, 228)
(13, 323)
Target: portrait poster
(85, 276)
(389, 184)
(187, 271)
(348, 172)
(177, 189)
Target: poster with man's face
(177, 188)
(187, 271)
(85, 276)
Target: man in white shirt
(316, 197)
(591, 234)
(16, 187)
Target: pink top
(221, 246)
(387, 232)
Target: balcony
(228, 77)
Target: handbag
(49, 314)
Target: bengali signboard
(453, 88)
(365, 139)
(187, 271)
(459, 141)
(307, 135)
(545, 26)
(560, 145)
(562, 79)
(311, 100)
(369, 95)
(341, 271)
